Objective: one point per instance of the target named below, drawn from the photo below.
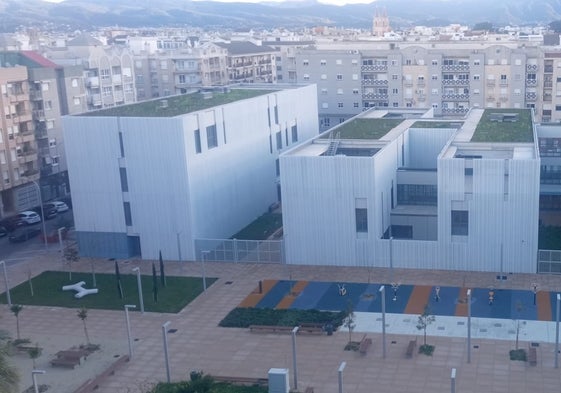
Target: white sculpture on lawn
(80, 290)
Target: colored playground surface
(404, 299)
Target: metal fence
(234, 250)
(549, 261)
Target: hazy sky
(333, 2)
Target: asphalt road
(12, 253)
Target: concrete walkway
(199, 344)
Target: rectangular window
(211, 137)
(197, 134)
(361, 216)
(339, 77)
(294, 134)
(124, 180)
(128, 215)
(460, 222)
(277, 167)
(279, 140)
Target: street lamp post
(469, 325)
(139, 283)
(127, 306)
(383, 292)
(341, 368)
(42, 212)
(294, 331)
(179, 247)
(166, 355)
(453, 381)
(8, 297)
(204, 255)
(59, 231)
(34, 378)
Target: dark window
(276, 115)
(124, 181)
(271, 143)
(211, 138)
(361, 216)
(279, 140)
(198, 141)
(269, 116)
(402, 231)
(460, 222)
(294, 134)
(468, 171)
(286, 136)
(417, 194)
(128, 215)
(121, 145)
(277, 165)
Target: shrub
(244, 317)
(518, 354)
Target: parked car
(3, 231)
(49, 210)
(23, 234)
(12, 223)
(29, 217)
(61, 207)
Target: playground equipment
(80, 290)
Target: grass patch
(436, 124)
(244, 317)
(365, 128)
(518, 354)
(426, 349)
(47, 287)
(216, 387)
(179, 105)
(549, 238)
(494, 131)
(261, 228)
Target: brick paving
(199, 344)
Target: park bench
(247, 381)
(311, 328)
(365, 343)
(93, 384)
(269, 329)
(532, 356)
(411, 348)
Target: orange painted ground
(255, 297)
(462, 307)
(287, 301)
(543, 301)
(418, 299)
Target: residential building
(250, 63)
(398, 189)
(156, 175)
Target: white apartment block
(159, 174)
(401, 189)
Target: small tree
(29, 275)
(425, 319)
(350, 320)
(83, 315)
(71, 256)
(34, 353)
(16, 309)
(518, 306)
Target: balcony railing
(455, 111)
(531, 96)
(455, 67)
(117, 80)
(93, 81)
(455, 82)
(39, 114)
(455, 97)
(531, 67)
(374, 68)
(374, 96)
(36, 95)
(375, 82)
(531, 82)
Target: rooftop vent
(164, 103)
(207, 95)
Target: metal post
(341, 368)
(383, 292)
(557, 332)
(59, 230)
(34, 378)
(127, 306)
(294, 331)
(139, 282)
(453, 381)
(391, 258)
(178, 247)
(42, 212)
(204, 255)
(8, 297)
(469, 325)
(165, 336)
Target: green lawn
(365, 128)
(47, 287)
(494, 131)
(261, 228)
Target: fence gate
(234, 250)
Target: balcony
(531, 82)
(36, 95)
(455, 67)
(41, 132)
(455, 97)
(455, 82)
(375, 82)
(265, 61)
(547, 97)
(39, 114)
(491, 82)
(95, 99)
(531, 67)
(454, 111)
(374, 68)
(408, 83)
(420, 83)
(548, 69)
(105, 80)
(19, 96)
(531, 96)
(503, 83)
(92, 81)
(503, 98)
(119, 97)
(30, 172)
(548, 84)
(21, 117)
(375, 96)
(117, 80)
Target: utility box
(279, 380)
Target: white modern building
(159, 174)
(399, 189)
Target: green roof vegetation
(365, 128)
(436, 124)
(180, 104)
(491, 128)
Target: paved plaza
(199, 344)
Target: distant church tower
(381, 23)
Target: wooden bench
(63, 362)
(311, 328)
(269, 329)
(532, 356)
(246, 381)
(93, 384)
(411, 348)
(365, 343)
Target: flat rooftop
(504, 125)
(181, 104)
(364, 128)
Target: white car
(29, 217)
(60, 206)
